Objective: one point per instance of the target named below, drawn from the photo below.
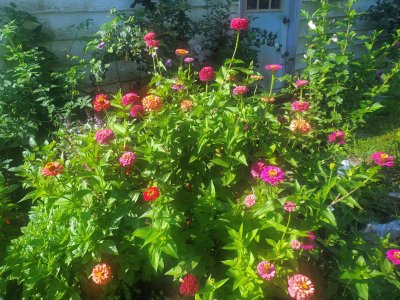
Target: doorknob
(285, 20)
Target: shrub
(384, 15)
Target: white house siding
(309, 5)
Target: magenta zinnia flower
(337, 137)
(240, 90)
(273, 175)
(150, 36)
(130, 98)
(300, 106)
(206, 74)
(239, 24)
(127, 159)
(394, 256)
(273, 67)
(383, 159)
(250, 200)
(300, 287)
(189, 286)
(295, 244)
(104, 136)
(266, 270)
(188, 60)
(301, 83)
(310, 242)
(289, 206)
(256, 169)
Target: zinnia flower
(250, 200)
(178, 87)
(273, 67)
(181, 52)
(300, 106)
(186, 105)
(104, 136)
(149, 37)
(300, 126)
(310, 242)
(152, 43)
(130, 98)
(101, 274)
(101, 103)
(188, 60)
(273, 175)
(52, 169)
(239, 24)
(240, 90)
(394, 256)
(256, 169)
(295, 244)
(151, 103)
(300, 287)
(257, 77)
(168, 63)
(136, 111)
(268, 99)
(301, 83)
(127, 159)
(206, 74)
(266, 270)
(383, 159)
(337, 137)
(289, 206)
(189, 286)
(151, 194)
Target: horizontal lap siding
(361, 28)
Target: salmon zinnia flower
(394, 256)
(266, 270)
(189, 286)
(273, 175)
(186, 105)
(101, 102)
(52, 169)
(181, 52)
(383, 159)
(300, 126)
(151, 194)
(151, 103)
(300, 287)
(101, 274)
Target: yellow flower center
(267, 267)
(273, 172)
(397, 255)
(384, 156)
(305, 285)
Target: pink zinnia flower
(273, 175)
(310, 243)
(101, 102)
(337, 137)
(301, 83)
(394, 256)
(206, 74)
(152, 44)
(311, 235)
(189, 286)
(127, 159)
(256, 169)
(300, 106)
(104, 136)
(136, 111)
(239, 24)
(101, 274)
(383, 159)
(240, 90)
(300, 287)
(250, 200)
(266, 270)
(149, 37)
(178, 86)
(130, 98)
(273, 67)
(289, 206)
(188, 60)
(295, 244)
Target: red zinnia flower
(151, 194)
(149, 37)
(206, 74)
(189, 286)
(52, 169)
(239, 24)
(136, 111)
(101, 274)
(152, 44)
(130, 98)
(101, 103)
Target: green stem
(154, 62)
(301, 94)
(272, 85)
(206, 86)
(236, 46)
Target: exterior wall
(309, 5)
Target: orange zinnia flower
(181, 52)
(52, 169)
(151, 103)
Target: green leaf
(362, 289)
(220, 162)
